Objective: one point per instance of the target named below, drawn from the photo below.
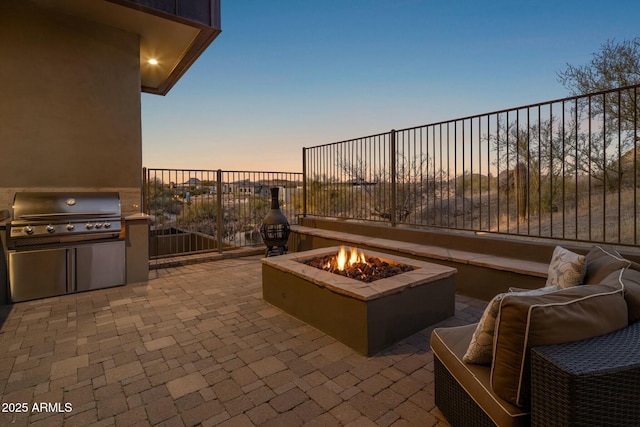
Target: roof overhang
(174, 41)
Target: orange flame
(342, 258)
(355, 257)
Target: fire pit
(366, 316)
(356, 265)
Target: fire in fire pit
(356, 265)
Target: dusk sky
(287, 74)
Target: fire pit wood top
(424, 272)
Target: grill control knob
(51, 228)
(28, 229)
(88, 226)
(70, 227)
(107, 225)
(98, 225)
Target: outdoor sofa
(565, 355)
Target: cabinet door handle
(71, 270)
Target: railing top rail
(348, 140)
(216, 170)
(273, 172)
(182, 170)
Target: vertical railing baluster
(304, 182)
(528, 195)
(551, 208)
(563, 174)
(219, 211)
(619, 165)
(488, 172)
(541, 178)
(392, 161)
(471, 207)
(604, 167)
(589, 112)
(636, 171)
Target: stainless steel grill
(62, 242)
(64, 217)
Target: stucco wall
(69, 105)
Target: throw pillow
(600, 262)
(480, 349)
(566, 268)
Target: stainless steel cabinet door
(37, 274)
(100, 266)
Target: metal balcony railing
(213, 210)
(563, 169)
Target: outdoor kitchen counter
(137, 247)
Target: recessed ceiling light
(153, 61)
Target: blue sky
(287, 74)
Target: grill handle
(68, 215)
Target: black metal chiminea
(275, 227)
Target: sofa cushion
(566, 268)
(526, 321)
(600, 262)
(449, 345)
(480, 349)
(630, 279)
(634, 265)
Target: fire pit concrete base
(367, 317)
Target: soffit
(173, 41)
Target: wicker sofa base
(454, 402)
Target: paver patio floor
(197, 345)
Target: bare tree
(615, 65)
(411, 183)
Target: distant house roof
(192, 181)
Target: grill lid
(61, 206)
(60, 217)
